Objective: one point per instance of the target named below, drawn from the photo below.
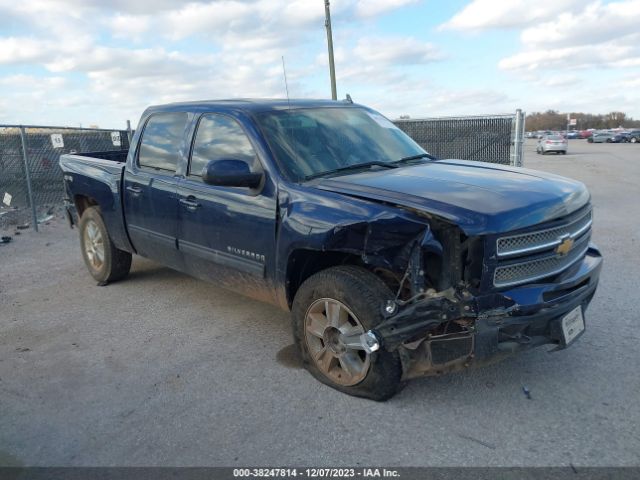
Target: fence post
(129, 131)
(516, 158)
(25, 157)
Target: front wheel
(105, 262)
(332, 305)
(633, 140)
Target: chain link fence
(31, 187)
(495, 138)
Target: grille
(538, 268)
(542, 239)
(528, 257)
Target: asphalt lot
(162, 369)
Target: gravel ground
(163, 369)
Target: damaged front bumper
(488, 327)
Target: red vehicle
(586, 133)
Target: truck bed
(97, 177)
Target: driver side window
(220, 138)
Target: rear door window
(161, 141)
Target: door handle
(135, 191)
(190, 202)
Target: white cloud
(396, 51)
(595, 24)
(421, 99)
(562, 80)
(629, 82)
(210, 18)
(371, 8)
(610, 54)
(129, 26)
(16, 50)
(487, 14)
(27, 82)
(601, 35)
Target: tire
(104, 261)
(634, 140)
(362, 295)
(564, 152)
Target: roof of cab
(247, 104)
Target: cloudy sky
(70, 62)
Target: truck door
(226, 234)
(150, 183)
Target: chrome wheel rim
(326, 321)
(94, 245)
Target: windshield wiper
(414, 157)
(356, 166)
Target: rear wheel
(633, 140)
(105, 262)
(332, 305)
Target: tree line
(554, 120)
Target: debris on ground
(526, 392)
(5, 239)
(46, 218)
(22, 227)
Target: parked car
(601, 137)
(573, 134)
(393, 264)
(552, 143)
(586, 133)
(634, 136)
(620, 137)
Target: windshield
(314, 141)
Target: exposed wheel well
(83, 202)
(304, 263)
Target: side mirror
(230, 173)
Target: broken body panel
(442, 321)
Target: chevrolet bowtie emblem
(565, 246)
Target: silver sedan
(552, 143)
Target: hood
(481, 198)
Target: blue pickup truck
(394, 264)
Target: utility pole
(332, 66)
